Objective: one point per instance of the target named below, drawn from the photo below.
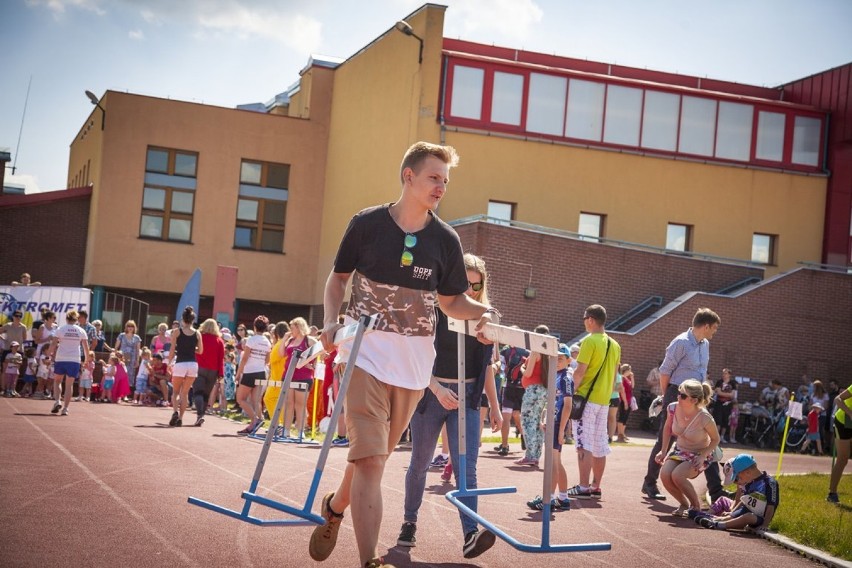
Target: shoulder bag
(579, 401)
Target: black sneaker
(477, 542)
(652, 492)
(406, 535)
(56, 407)
(706, 522)
(596, 492)
(503, 451)
(832, 498)
(179, 423)
(175, 418)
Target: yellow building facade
(179, 186)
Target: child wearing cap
(11, 370)
(755, 502)
(813, 428)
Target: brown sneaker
(324, 536)
(377, 563)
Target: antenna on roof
(23, 115)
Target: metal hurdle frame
(285, 387)
(303, 516)
(539, 343)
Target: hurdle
(303, 516)
(548, 346)
(285, 439)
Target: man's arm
(462, 306)
(335, 290)
(580, 374)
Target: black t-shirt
(401, 351)
(477, 357)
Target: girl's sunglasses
(407, 258)
(683, 396)
(475, 286)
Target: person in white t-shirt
(65, 346)
(252, 368)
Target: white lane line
(117, 498)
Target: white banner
(30, 300)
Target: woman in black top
(440, 405)
(186, 342)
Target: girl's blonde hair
(702, 392)
(300, 324)
(146, 352)
(473, 262)
(210, 327)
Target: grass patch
(806, 517)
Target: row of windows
(592, 226)
(614, 114)
(168, 200)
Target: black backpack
(514, 358)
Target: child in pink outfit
(121, 388)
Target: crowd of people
(407, 265)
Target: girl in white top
(252, 369)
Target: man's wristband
(492, 310)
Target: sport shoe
(706, 522)
(377, 563)
(439, 461)
(561, 504)
(406, 535)
(56, 407)
(537, 504)
(579, 493)
(503, 451)
(832, 498)
(695, 515)
(477, 542)
(64, 412)
(596, 492)
(247, 430)
(340, 442)
(324, 536)
(175, 418)
(527, 461)
(199, 421)
(448, 472)
(653, 493)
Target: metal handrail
(827, 267)
(635, 311)
(737, 285)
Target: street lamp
(97, 103)
(406, 28)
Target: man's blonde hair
(419, 151)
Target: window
(168, 196)
(262, 206)
(733, 134)
(697, 126)
(498, 210)
(467, 92)
(507, 98)
(153, 321)
(770, 136)
(660, 120)
(623, 110)
(546, 110)
(585, 110)
(679, 237)
(591, 226)
(806, 140)
(763, 248)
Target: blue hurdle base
(305, 518)
(544, 546)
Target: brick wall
(790, 325)
(569, 274)
(45, 236)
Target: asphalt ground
(107, 486)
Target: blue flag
(191, 294)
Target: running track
(107, 486)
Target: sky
(232, 52)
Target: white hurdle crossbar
(548, 346)
(303, 516)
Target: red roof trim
(46, 197)
(568, 63)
